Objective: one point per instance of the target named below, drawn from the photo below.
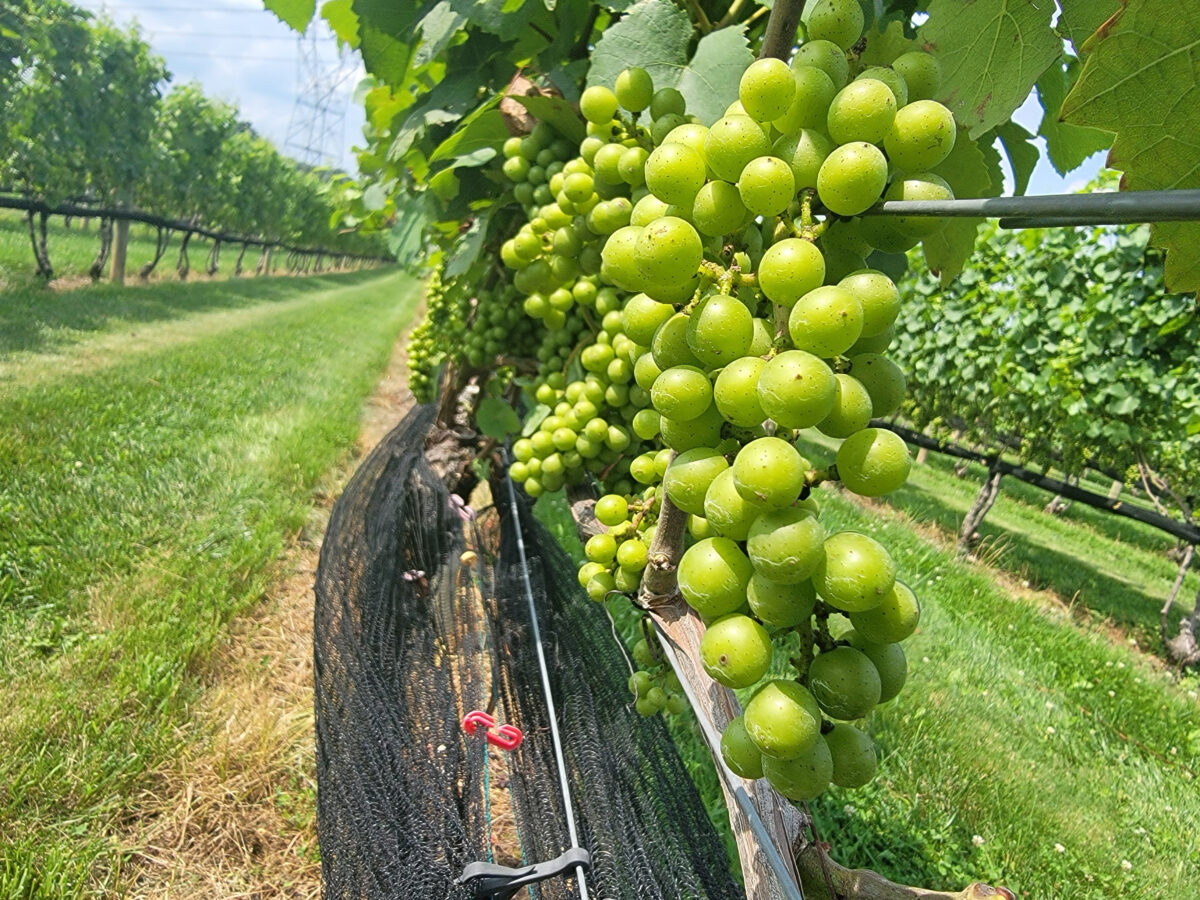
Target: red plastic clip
(506, 737)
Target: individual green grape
(767, 185)
(861, 111)
(718, 209)
(883, 379)
(667, 250)
(852, 178)
(689, 477)
(789, 269)
(766, 89)
(853, 756)
(647, 209)
(644, 654)
(719, 330)
(611, 510)
(893, 620)
(647, 423)
(879, 298)
(664, 125)
(893, 79)
(851, 409)
(873, 462)
(608, 163)
(702, 431)
(837, 21)
(735, 392)
(920, 186)
(732, 142)
(601, 548)
(666, 102)
(632, 556)
(785, 545)
(796, 389)
(804, 777)
(770, 472)
(875, 344)
(844, 682)
(856, 573)
(763, 338)
(727, 511)
(632, 166)
(642, 317)
(921, 136)
(675, 173)
(669, 344)
(713, 575)
(699, 528)
(826, 321)
(826, 56)
(736, 651)
(921, 72)
(681, 393)
(600, 586)
(782, 719)
(619, 266)
(810, 100)
(780, 605)
(739, 752)
(642, 469)
(804, 150)
(889, 662)
(645, 370)
(634, 89)
(692, 134)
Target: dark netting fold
(408, 637)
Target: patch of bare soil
(234, 816)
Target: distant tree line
(88, 114)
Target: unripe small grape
(852, 178)
(766, 89)
(837, 21)
(863, 110)
(921, 72)
(634, 89)
(826, 56)
(767, 185)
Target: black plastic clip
(492, 882)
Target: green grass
(159, 453)
(73, 250)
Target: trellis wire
(1051, 210)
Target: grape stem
(780, 35)
(659, 584)
(699, 16)
(731, 14)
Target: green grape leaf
(506, 18)
(883, 47)
(1067, 146)
(1081, 18)
(654, 34)
(616, 5)
(1022, 154)
(970, 172)
(296, 14)
(709, 82)
(992, 52)
(484, 129)
(496, 419)
(1142, 82)
(557, 113)
(380, 25)
(467, 248)
(539, 415)
(339, 14)
(375, 197)
(438, 27)
(406, 239)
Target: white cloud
(238, 52)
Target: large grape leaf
(294, 13)
(1080, 19)
(992, 52)
(1142, 81)
(342, 20)
(709, 82)
(970, 172)
(654, 34)
(438, 27)
(506, 18)
(1066, 145)
(384, 29)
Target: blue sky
(240, 53)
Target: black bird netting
(422, 616)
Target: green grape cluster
(654, 685)
(473, 329)
(706, 297)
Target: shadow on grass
(34, 319)
(1046, 568)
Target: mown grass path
(157, 456)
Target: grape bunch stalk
(713, 288)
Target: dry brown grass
(234, 816)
